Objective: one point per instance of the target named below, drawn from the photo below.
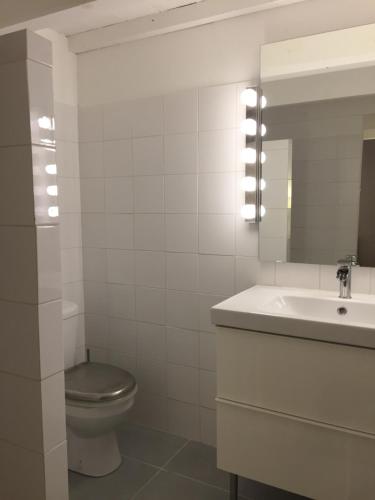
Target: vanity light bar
(252, 156)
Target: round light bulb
(263, 130)
(53, 211)
(249, 126)
(249, 97)
(52, 190)
(248, 184)
(248, 155)
(262, 184)
(51, 169)
(263, 101)
(262, 211)
(263, 157)
(248, 212)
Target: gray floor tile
(148, 445)
(253, 490)
(120, 485)
(169, 486)
(198, 461)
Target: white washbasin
(305, 313)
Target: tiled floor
(159, 466)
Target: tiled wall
(162, 244)
(32, 420)
(327, 154)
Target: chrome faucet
(344, 275)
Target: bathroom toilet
(97, 397)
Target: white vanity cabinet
(297, 414)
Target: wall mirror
(320, 147)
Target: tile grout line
(163, 467)
(154, 476)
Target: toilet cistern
(344, 275)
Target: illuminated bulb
(248, 212)
(263, 101)
(262, 211)
(263, 129)
(249, 126)
(51, 169)
(53, 211)
(52, 190)
(45, 123)
(248, 184)
(248, 155)
(249, 97)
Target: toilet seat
(89, 384)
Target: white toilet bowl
(98, 396)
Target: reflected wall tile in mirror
(41, 104)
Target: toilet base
(94, 456)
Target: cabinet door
(320, 381)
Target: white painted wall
(221, 52)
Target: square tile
(90, 123)
(92, 194)
(120, 266)
(207, 389)
(182, 309)
(150, 269)
(149, 232)
(94, 264)
(207, 351)
(182, 346)
(181, 153)
(217, 107)
(123, 483)
(117, 158)
(119, 195)
(148, 155)
(217, 151)
(149, 194)
(151, 341)
(181, 112)
(119, 231)
(117, 120)
(297, 275)
(91, 159)
(216, 274)
(181, 233)
(217, 234)
(216, 193)
(183, 419)
(121, 301)
(122, 336)
(182, 271)
(147, 117)
(150, 305)
(147, 445)
(183, 383)
(181, 193)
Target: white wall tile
(182, 271)
(149, 232)
(121, 266)
(182, 347)
(67, 159)
(92, 194)
(216, 193)
(90, 123)
(49, 266)
(297, 275)
(71, 265)
(181, 153)
(117, 121)
(183, 383)
(207, 351)
(181, 193)
(217, 107)
(91, 159)
(207, 389)
(120, 231)
(217, 151)
(208, 426)
(151, 376)
(69, 195)
(122, 336)
(149, 194)
(148, 155)
(119, 195)
(94, 264)
(181, 233)
(121, 301)
(70, 230)
(94, 230)
(147, 117)
(150, 269)
(246, 272)
(181, 112)
(205, 304)
(246, 238)
(96, 297)
(182, 309)
(150, 305)
(216, 274)
(151, 341)
(183, 419)
(117, 158)
(96, 330)
(216, 234)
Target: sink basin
(305, 313)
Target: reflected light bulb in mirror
(249, 155)
(53, 211)
(263, 130)
(249, 97)
(52, 190)
(263, 101)
(262, 211)
(51, 169)
(248, 184)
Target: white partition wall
(32, 417)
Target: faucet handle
(353, 259)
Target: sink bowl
(305, 313)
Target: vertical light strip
(252, 156)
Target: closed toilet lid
(97, 382)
